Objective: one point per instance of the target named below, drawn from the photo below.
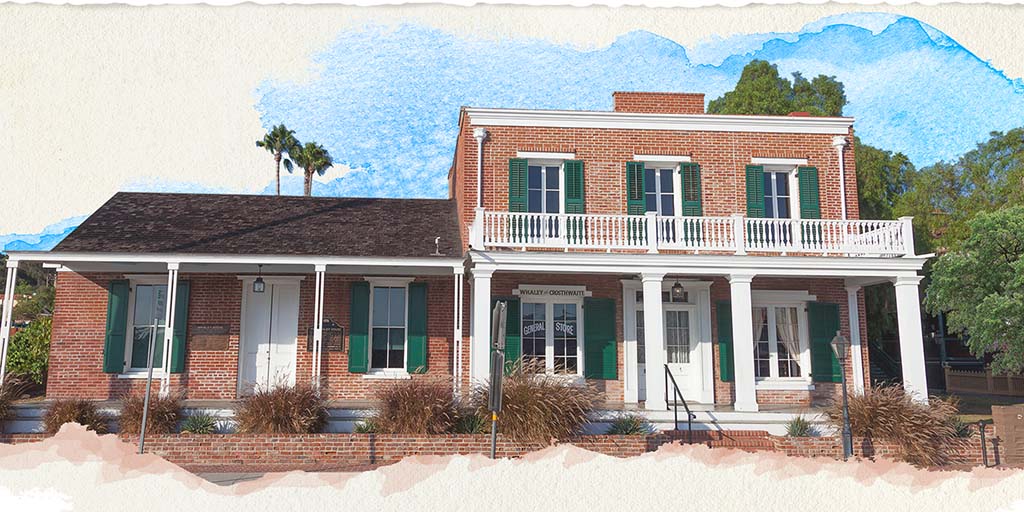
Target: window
(659, 190)
(388, 321)
(778, 342)
(542, 188)
(550, 336)
(777, 197)
(677, 336)
(565, 338)
(535, 335)
(147, 317)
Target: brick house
(630, 246)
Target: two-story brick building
(630, 246)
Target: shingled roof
(137, 222)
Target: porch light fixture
(258, 286)
(678, 294)
(840, 346)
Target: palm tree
(277, 141)
(311, 158)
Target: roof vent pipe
(479, 134)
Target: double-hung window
(777, 196)
(779, 341)
(551, 337)
(147, 320)
(544, 195)
(388, 320)
(660, 189)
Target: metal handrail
(675, 405)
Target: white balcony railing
(651, 233)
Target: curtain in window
(786, 325)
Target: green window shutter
(635, 204)
(513, 330)
(517, 185)
(692, 205)
(810, 205)
(180, 328)
(726, 361)
(416, 360)
(600, 351)
(755, 191)
(117, 326)
(574, 188)
(824, 322)
(359, 329)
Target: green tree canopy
(278, 141)
(761, 91)
(980, 286)
(312, 158)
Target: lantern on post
(841, 347)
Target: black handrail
(675, 405)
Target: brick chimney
(659, 102)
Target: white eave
(679, 122)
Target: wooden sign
(209, 336)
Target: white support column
(457, 331)
(743, 342)
(6, 314)
(318, 323)
(908, 314)
(654, 342)
(480, 343)
(172, 298)
(856, 348)
(907, 229)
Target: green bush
(74, 410)
(10, 390)
(365, 427)
(415, 406)
(298, 409)
(799, 427)
(470, 422)
(162, 417)
(200, 423)
(630, 425)
(29, 351)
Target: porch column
(654, 342)
(743, 342)
(318, 323)
(172, 298)
(5, 315)
(457, 331)
(856, 352)
(908, 315)
(480, 344)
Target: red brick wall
(659, 102)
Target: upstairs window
(659, 190)
(777, 195)
(543, 188)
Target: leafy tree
(34, 302)
(278, 141)
(761, 91)
(312, 158)
(980, 286)
(29, 352)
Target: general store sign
(553, 292)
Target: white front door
(681, 351)
(269, 336)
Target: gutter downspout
(839, 142)
(480, 135)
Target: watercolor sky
(384, 100)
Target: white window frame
(127, 371)
(677, 185)
(544, 163)
(771, 300)
(549, 342)
(794, 186)
(388, 282)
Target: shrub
(470, 422)
(162, 418)
(29, 351)
(74, 410)
(200, 423)
(282, 410)
(539, 407)
(630, 425)
(10, 390)
(365, 427)
(800, 427)
(923, 432)
(961, 428)
(415, 406)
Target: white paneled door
(269, 336)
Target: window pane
(651, 202)
(781, 184)
(552, 178)
(140, 347)
(570, 311)
(396, 354)
(667, 205)
(379, 351)
(380, 306)
(666, 180)
(533, 177)
(640, 356)
(533, 201)
(767, 183)
(553, 206)
(650, 185)
(397, 303)
(559, 311)
(143, 305)
(783, 208)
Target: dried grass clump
(74, 410)
(11, 389)
(924, 432)
(282, 409)
(416, 406)
(539, 407)
(163, 416)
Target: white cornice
(680, 122)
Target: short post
(476, 230)
(984, 449)
(907, 227)
(737, 234)
(651, 219)
(498, 318)
(149, 384)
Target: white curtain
(786, 326)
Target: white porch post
(654, 342)
(856, 350)
(172, 298)
(908, 313)
(457, 331)
(5, 315)
(743, 343)
(480, 344)
(318, 323)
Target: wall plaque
(209, 336)
(334, 337)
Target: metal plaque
(334, 337)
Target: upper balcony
(652, 233)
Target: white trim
(532, 155)
(582, 290)
(390, 282)
(387, 374)
(683, 122)
(772, 297)
(216, 259)
(666, 159)
(778, 161)
(804, 339)
(158, 373)
(271, 279)
(781, 384)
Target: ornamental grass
(298, 409)
(539, 407)
(75, 410)
(11, 389)
(415, 406)
(163, 416)
(924, 433)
